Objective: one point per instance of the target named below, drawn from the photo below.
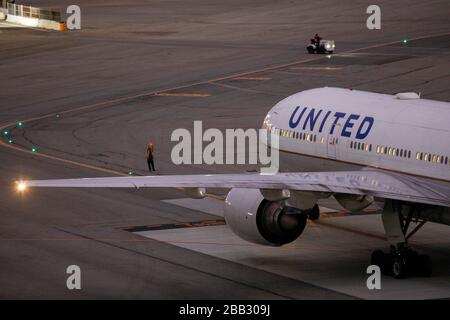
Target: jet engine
(256, 219)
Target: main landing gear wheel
(401, 262)
(399, 269)
(402, 265)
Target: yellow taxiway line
(253, 78)
(181, 94)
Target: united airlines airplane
(355, 146)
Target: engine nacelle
(257, 220)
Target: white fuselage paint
(415, 126)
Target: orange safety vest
(150, 151)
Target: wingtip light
(21, 186)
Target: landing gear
(314, 212)
(401, 261)
(402, 264)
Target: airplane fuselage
(342, 129)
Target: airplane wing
(373, 183)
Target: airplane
(356, 146)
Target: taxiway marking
(181, 94)
(253, 78)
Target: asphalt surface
(90, 101)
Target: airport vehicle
(358, 146)
(324, 46)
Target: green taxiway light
(10, 141)
(130, 173)
(20, 124)
(33, 150)
(5, 132)
(405, 41)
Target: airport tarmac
(90, 101)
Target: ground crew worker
(150, 160)
(317, 39)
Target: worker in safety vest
(150, 157)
